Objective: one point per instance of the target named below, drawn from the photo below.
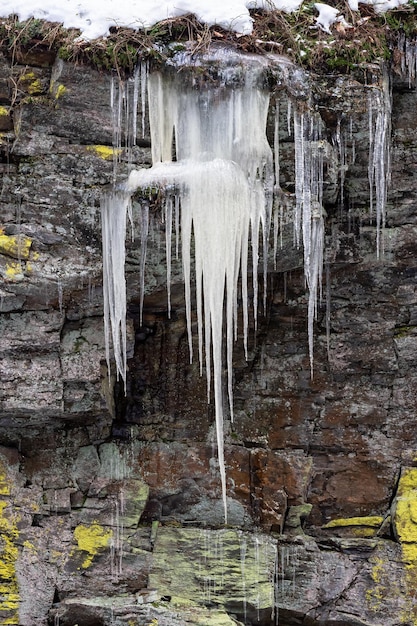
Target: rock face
(110, 503)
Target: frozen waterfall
(219, 176)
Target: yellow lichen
(4, 483)
(35, 87)
(60, 90)
(4, 111)
(357, 526)
(363, 532)
(27, 76)
(16, 246)
(376, 594)
(13, 270)
(9, 590)
(408, 481)
(373, 521)
(104, 152)
(91, 540)
(406, 518)
(405, 525)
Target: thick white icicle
(215, 204)
(224, 175)
(113, 221)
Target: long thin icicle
(379, 106)
(309, 213)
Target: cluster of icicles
(221, 190)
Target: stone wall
(110, 504)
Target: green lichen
(184, 559)
(403, 331)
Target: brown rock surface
(98, 490)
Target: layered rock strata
(110, 507)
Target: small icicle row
(125, 96)
(309, 212)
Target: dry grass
(367, 38)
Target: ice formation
(407, 47)
(309, 212)
(379, 108)
(220, 179)
(223, 176)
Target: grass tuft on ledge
(364, 38)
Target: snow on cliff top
(95, 17)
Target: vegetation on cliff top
(364, 37)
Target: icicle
(144, 70)
(341, 153)
(124, 99)
(113, 220)
(408, 50)
(177, 226)
(116, 108)
(328, 310)
(299, 172)
(257, 573)
(225, 177)
(136, 82)
(144, 232)
(243, 547)
(379, 152)
(308, 217)
(168, 243)
(90, 290)
(275, 588)
(277, 223)
(371, 151)
(222, 183)
(315, 269)
(60, 295)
